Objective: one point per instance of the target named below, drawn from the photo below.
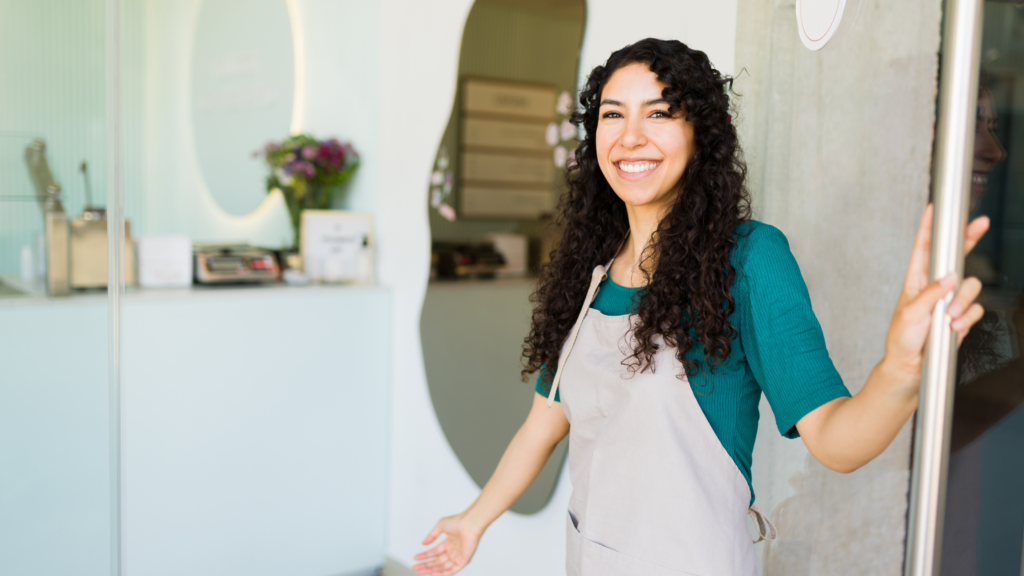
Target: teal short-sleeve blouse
(779, 348)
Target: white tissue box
(164, 261)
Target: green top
(779, 349)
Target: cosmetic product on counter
(164, 261)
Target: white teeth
(637, 167)
(979, 179)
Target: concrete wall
(839, 145)
(421, 40)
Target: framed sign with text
(337, 246)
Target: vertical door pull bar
(954, 152)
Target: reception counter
(254, 423)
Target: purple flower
(309, 152)
(305, 168)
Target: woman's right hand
(523, 460)
(452, 554)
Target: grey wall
(839, 147)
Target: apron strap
(598, 275)
(765, 529)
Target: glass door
(967, 515)
(60, 249)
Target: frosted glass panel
(55, 490)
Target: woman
(664, 315)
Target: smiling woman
(665, 313)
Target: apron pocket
(584, 557)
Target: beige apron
(654, 491)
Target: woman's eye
(660, 114)
(612, 115)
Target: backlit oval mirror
(243, 84)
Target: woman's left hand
(847, 433)
(911, 322)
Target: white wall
(419, 51)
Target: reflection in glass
(984, 520)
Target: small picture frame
(337, 246)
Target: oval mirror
(243, 84)
(518, 59)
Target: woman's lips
(636, 170)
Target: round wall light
(818, 20)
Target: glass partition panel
(984, 506)
(56, 496)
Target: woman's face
(987, 149)
(641, 147)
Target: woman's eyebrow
(610, 102)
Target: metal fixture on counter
(48, 194)
(76, 250)
(234, 264)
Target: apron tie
(595, 280)
(765, 529)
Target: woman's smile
(636, 170)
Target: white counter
(254, 422)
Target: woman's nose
(634, 137)
(987, 147)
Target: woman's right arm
(519, 466)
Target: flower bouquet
(308, 172)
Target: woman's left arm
(849, 432)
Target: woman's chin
(977, 191)
(643, 198)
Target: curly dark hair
(687, 299)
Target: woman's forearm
(847, 433)
(523, 460)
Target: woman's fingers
(975, 230)
(917, 271)
(962, 325)
(437, 531)
(925, 302)
(439, 567)
(435, 551)
(432, 566)
(965, 296)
